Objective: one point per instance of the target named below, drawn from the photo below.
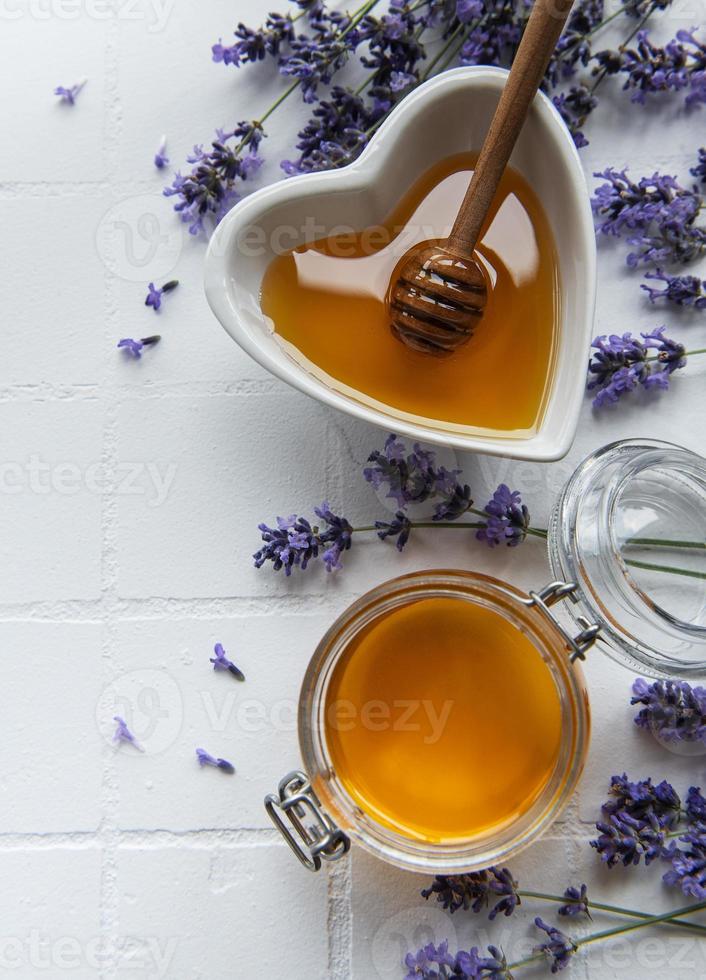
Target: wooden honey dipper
(439, 290)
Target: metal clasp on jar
(553, 593)
(297, 814)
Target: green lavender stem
(614, 909)
(596, 937)
(688, 572)
(542, 533)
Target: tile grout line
(206, 837)
(160, 607)
(107, 835)
(340, 920)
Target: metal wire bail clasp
(315, 835)
(555, 592)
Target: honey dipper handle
(539, 40)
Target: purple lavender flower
(336, 539)
(688, 870)
(221, 662)
(642, 799)
(623, 363)
(699, 170)
(399, 527)
(293, 543)
(670, 357)
(655, 214)
(574, 46)
(476, 890)
(336, 133)
(160, 158)
(210, 190)
(123, 733)
(316, 57)
(695, 806)
(674, 710)
(639, 816)
(508, 519)
(436, 963)
(135, 347)
(154, 294)
(408, 477)
(422, 965)
(254, 45)
(559, 947)
(574, 107)
(206, 759)
(468, 10)
(577, 902)
(626, 840)
(682, 290)
(69, 95)
(678, 65)
(458, 498)
(394, 49)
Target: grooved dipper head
(436, 299)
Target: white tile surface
(51, 677)
(130, 494)
(51, 927)
(247, 908)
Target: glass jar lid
(629, 529)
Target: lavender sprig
(656, 215)
(478, 891)
(679, 65)
(436, 963)
(410, 478)
(208, 192)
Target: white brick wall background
(129, 866)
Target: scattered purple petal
(154, 293)
(123, 733)
(134, 348)
(161, 160)
(206, 759)
(221, 662)
(69, 95)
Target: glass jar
(622, 518)
(625, 513)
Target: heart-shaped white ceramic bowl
(447, 115)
